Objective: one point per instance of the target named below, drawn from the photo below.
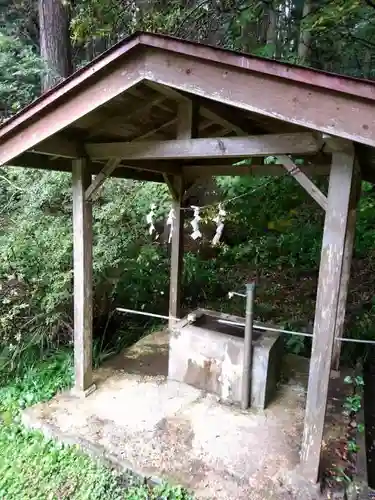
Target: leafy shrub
(20, 70)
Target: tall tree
(304, 46)
(55, 48)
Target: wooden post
(331, 264)
(344, 286)
(186, 129)
(177, 253)
(82, 252)
(346, 268)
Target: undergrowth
(32, 467)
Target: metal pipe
(290, 332)
(142, 313)
(248, 351)
(242, 325)
(267, 328)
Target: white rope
(219, 219)
(150, 219)
(170, 222)
(195, 223)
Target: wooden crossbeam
(219, 147)
(287, 162)
(101, 177)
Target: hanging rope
(219, 205)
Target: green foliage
(356, 381)
(36, 258)
(20, 70)
(352, 404)
(32, 467)
(273, 217)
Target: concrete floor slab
(159, 428)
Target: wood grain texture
(83, 295)
(186, 128)
(101, 177)
(217, 147)
(177, 253)
(301, 103)
(346, 268)
(331, 264)
(67, 111)
(304, 181)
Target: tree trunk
(55, 46)
(305, 39)
(271, 31)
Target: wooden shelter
(160, 109)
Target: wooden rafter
(67, 111)
(111, 124)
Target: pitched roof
(131, 92)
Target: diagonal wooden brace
(101, 177)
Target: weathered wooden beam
(256, 170)
(332, 144)
(83, 295)
(154, 131)
(62, 112)
(332, 257)
(186, 124)
(346, 268)
(344, 285)
(304, 181)
(58, 145)
(110, 124)
(177, 252)
(101, 177)
(276, 95)
(170, 182)
(146, 172)
(287, 162)
(204, 106)
(219, 147)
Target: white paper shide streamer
(219, 219)
(195, 223)
(170, 222)
(150, 219)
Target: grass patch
(32, 467)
